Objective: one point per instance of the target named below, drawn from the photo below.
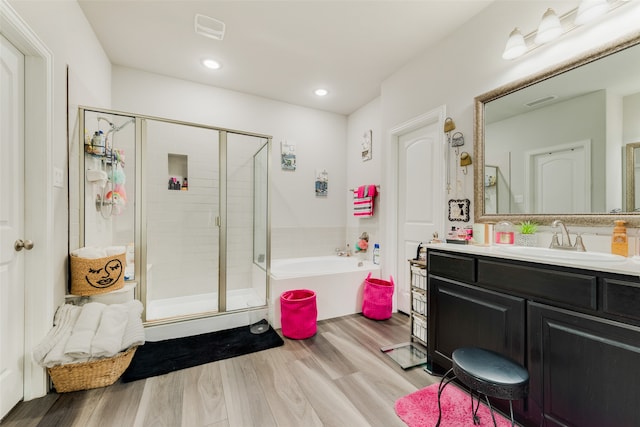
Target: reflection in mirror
(491, 189)
(633, 176)
(556, 140)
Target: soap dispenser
(619, 242)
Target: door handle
(20, 244)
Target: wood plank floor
(338, 378)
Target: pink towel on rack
(363, 198)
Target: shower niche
(178, 172)
(194, 253)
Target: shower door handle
(20, 244)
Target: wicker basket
(88, 375)
(97, 276)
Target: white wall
(63, 28)
(365, 172)
(302, 224)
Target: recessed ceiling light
(321, 92)
(211, 64)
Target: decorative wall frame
(459, 210)
(288, 155)
(322, 183)
(367, 144)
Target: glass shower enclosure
(190, 204)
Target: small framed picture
(367, 145)
(459, 210)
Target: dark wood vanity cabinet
(576, 331)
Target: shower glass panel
(246, 195)
(108, 182)
(181, 193)
(189, 203)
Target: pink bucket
(298, 313)
(377, 301)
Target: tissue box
(97, 276)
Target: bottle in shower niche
(376, 254)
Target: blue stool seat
(488, 373)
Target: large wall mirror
(556, 144)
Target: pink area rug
(420, 409)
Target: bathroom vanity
(575, 326)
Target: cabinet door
(584, 370)
(467, 316)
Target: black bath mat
(161, 357)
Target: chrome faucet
(566, 239)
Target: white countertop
(629, 266)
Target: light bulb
(590, 10)
(516, 45)
(550, 27)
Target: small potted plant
(527, 234)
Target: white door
(420, 198)
(560, 181)
(11, 226)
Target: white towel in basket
(79, 343)
(63, 322)
(134, 332)
(108, 338)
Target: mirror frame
(597, 219)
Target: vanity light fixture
(553, 26)
(321, 92)
(212, 64)
(550, 27)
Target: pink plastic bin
(298, 313)
(377, 300)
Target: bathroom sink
(561, 254)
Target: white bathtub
(337, 282)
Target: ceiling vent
(209, 27)
(539, 101)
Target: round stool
(489, 373)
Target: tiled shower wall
(182, 235)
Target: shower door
(181, 190)
(246, 221)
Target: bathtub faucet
(344, 252)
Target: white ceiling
(282, 50)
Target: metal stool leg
(493, 417)
(443, 383)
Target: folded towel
(79, 343)
(360, 191)
(114, 250)
(93, 252)
(363, 200)
(56, 355)
(63, 322)
(108, 337)
(134, 331)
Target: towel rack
(354, 189)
